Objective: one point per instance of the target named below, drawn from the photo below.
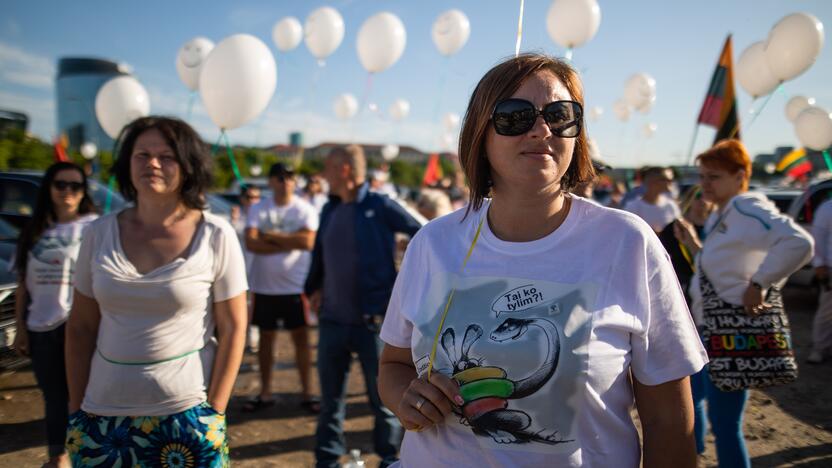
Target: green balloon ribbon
(108, 202)
(827, 160)
(231, 159)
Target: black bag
(746, 351)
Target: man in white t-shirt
(655, 206)
(822, 324)
(280, 231)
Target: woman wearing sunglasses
(47, 250)
(522, 328)
(157, 330)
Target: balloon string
(827, 160)
(108, 202)
(368, 86)
(568, 54)
(191, 99)
(519, 31)
(756, 113)
(231, 159)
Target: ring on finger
(420, 403)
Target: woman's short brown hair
(728, 155)
(191, 154)
(499, 83)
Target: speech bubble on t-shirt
(517, 299)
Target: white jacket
(750, 241)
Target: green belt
(146, 363)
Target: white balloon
(594, 150)
(381, 41)
(287, 33)
(323, 32)
(595, 113)
(450, 121)
(647, 105)
(255, 170)
(120, 101)
(345, 106)
(796, 105)
(814, 128)
(572, 23)
(450, 32)
(389, 152)
(89, 150)
(190, 58)
(238, 80)
(621, 110)
(446, 142)
(399, 110)
(753, 71)
(793, 44)
(649, 129)
(640, 90)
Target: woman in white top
(522, 328)
(157, 330)
(749, 247)
(46, 253)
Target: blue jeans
(725, 411)
(336, 342)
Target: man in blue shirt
(349, 283)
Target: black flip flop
(257, 404)
(312, 406)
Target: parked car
(802, 210)
(9, 359)
(8, 240)
(782, 197)
(19, 194)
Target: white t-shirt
(49, 273)
(658, 216)
(547, 331)
(162, 318)
(285, 272)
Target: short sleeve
(82, 279)
(309, 217)
(229, 265)
(667, 346)
(253, 217)
(397, 329)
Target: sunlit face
(718, 185)
(251, 197)
(536, 158)
(67, 190)
(283, 185)
(154, 167)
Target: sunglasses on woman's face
(512, 117)
(62, 185)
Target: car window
(18, 197)
(807, 211)
(7, 231)
(218, 205)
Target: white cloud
(24, 68)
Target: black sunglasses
(63, 185)
(514, 117)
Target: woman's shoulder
(594, 217)
(218, 224)
(755, 206)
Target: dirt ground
(784, 426)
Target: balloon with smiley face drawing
(190, 58)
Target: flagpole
(692, 143)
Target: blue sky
(677, 42)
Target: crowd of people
(519, 329)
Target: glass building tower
(78, 82)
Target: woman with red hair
(748, 252)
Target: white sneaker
(815, 357)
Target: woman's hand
(686, 234)
(754, 300)
(21, 341)
(425, 403)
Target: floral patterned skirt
(192, 438)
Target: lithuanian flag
(720, 107)
(795, 163)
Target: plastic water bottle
(355, 460)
